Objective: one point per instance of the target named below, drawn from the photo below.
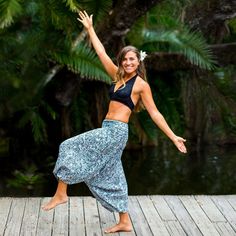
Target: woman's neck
(129, 76)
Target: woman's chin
(130, 71)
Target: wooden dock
(151, 215)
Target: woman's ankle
(60, 195)
(124, 218)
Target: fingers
(85, 19)
(86, 14)
(180, 144)
(83, 14)
(79, 19)
(183, 149)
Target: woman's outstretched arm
(108, 64)
(157, 117)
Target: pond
(149, 170)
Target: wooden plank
(174, 228)
(225, 229)
(140, 224)
(156, 225)
(226, 209)
(107, 219)
(198, 215)
(166, 214)
(232, 200)
(5, 206)
(92, 224)
(60, 223)
(15, 217)
(162, 208)
(154, 215)
(210, 209)
(30, 219)
(183, 216)
(45, 220)
(76, 216)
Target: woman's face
(130, 62)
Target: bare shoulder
(142, 85)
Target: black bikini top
(123, 93)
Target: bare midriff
(118, 111)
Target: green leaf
(99, 8)
(162, 29)
(38, 127)
(191, 44)
(63, 17)
(84, 61)
(49, 110)
(32, 116)
(72, 4)
(8, 10)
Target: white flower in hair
(143, 54)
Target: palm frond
(72, 4)
(191, 44)
(49, 110)
(38, 127)
(31, 8)
(62, 17)
(161, 29)
(196, 50)
(83, 60)
(8, 10)
(32, 116)
(98, 8)
(166, 15)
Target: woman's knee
(65, 144)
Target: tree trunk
(205, 110)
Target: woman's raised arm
(108, 64)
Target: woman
(95, 156)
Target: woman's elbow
(156, 115)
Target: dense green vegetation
(52, 85)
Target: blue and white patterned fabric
(95, 158)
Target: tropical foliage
(37, 40)
(42, 41)
(160, 30)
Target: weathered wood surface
(150, 215)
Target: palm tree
(38, 39)
(44, 37)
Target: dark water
(211, 171)
(149, 171)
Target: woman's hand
(85, 19)
(179, 143)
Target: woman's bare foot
(120, 227)
(56, 200)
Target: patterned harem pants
(94, 157)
